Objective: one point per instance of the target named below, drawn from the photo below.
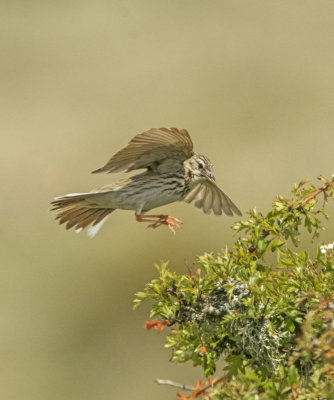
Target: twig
(175, 384)
(213, 383)
(188, 268)
(320, 190)
(197, 392)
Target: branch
(323, 188)
(196, 390)
(175, 384)
(212, 383)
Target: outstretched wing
(151, 148)
(207, 195)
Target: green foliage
(270, 318)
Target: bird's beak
(210, 177)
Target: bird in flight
(173, 173)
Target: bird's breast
(149, 191)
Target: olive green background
(252, 81)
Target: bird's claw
(168, 220)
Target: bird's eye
(200, 166)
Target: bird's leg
(168, 220)
(171, 222)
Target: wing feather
(229, 203)
(216, 204)
(199, 200)
(207, 204)
(149, 148)
(209, 196)
(192, 194)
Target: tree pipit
(173, 173)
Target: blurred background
(253, 83)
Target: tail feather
(79, 210)
(101, 217)
(72, 215)
(95, 227)
(87, 218)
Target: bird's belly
(158, 199)
(144, 196)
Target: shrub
(271, 319)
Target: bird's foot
(168, 220)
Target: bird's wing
(150, 148)
(207, 195)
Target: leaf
(290, 325)
(275, 244)
(235, 364)
(293, 376)
(262, 244)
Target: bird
(173, 172)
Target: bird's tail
(80, 210)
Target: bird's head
(200, 167)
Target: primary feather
(150, 148)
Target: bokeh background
(252, 81)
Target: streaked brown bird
(173, 173)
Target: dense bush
(270, 318)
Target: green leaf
(276, 243)
(290, 325)
(293, 376)
(235, 364)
